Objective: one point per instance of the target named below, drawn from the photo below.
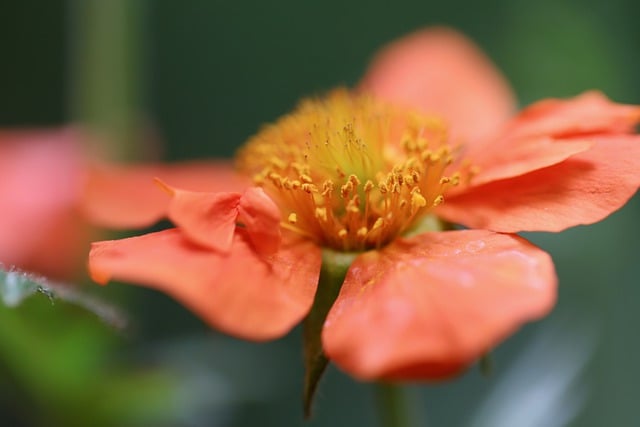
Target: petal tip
(440, 71)
(164, 186)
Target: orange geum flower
(41, 181)
(353, 193)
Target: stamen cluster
(350, 172)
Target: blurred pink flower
(42, 173)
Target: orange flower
(428, 135)
(41, 175)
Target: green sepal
(486, 364)
(334, 269)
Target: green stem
(106, 70)
(334, 269)
(393, 406)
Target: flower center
(350, 172)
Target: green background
(213, 71)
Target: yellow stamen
(353, 172)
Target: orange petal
(424, 308)
(127, 197)
(522, 156)
(208, 219)
(544, 134)
(589, 113)
(441, 72)
(584, 189)
(239, 293)
(261, 218)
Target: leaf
(16, 286)
(57, 360)
(334, 269)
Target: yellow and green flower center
(350, 172)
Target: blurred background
(199, 77)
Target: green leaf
(16, 286)
(334, 269)
(57, 361)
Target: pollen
(351, 172)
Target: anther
(417, 201)
(321, 214)
(309, 188)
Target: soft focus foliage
(55, 344)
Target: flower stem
(334, 269)
(393, 407)
(107, 64)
